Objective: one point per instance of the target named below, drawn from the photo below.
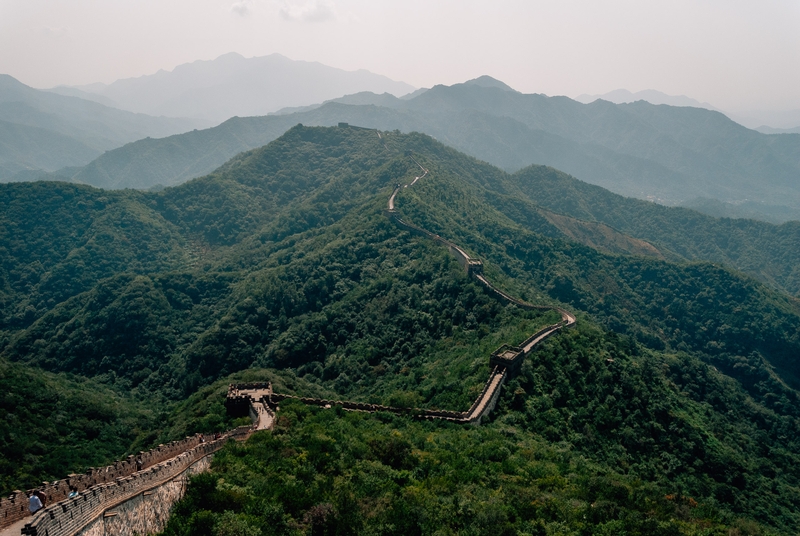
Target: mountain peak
(488, 81)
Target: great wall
(152, 479)
(134, 496)
(259, 398)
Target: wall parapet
(15, 507)
(67, 516)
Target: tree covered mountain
(672, 408)
(768, 252)
(760, 249)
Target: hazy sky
(732, 53)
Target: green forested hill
(766, 251)
(58, 240)
(672, 407)
(52, 423)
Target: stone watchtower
(474, 267)
(509, 357)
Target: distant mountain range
(770, 130)
(670, 149)
(233, 85)
(662, 153)
(44, 131)
(782, 121)
(623, 96)
(65, 128)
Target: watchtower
(474, 267)
(509, 357)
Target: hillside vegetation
(768, 252)
(53, 423)
(762, 250)
(672, 408)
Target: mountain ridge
(662, 153)
(760, 259)
(62, 131)
(624, 96)
(232, 85)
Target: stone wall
(243, 398)
(69, 517)
(15, 507)
(147, 512)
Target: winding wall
(505, 361)
(142, 496)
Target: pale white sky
(732, 53)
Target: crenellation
(15, 507)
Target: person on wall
(35, 503)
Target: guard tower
(474, 267)
(509, 357)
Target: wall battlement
(120, 476)
(68, 517)
(15, 507)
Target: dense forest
(765, 251)
(671, 409)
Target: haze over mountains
(623, 96)
(232, 85)
(781, 121)
(669, 154)
(45, 131)
(675, 154)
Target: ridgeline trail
(134, 496)
(260, 401)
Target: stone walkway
(16, 528)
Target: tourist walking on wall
(35, 503)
